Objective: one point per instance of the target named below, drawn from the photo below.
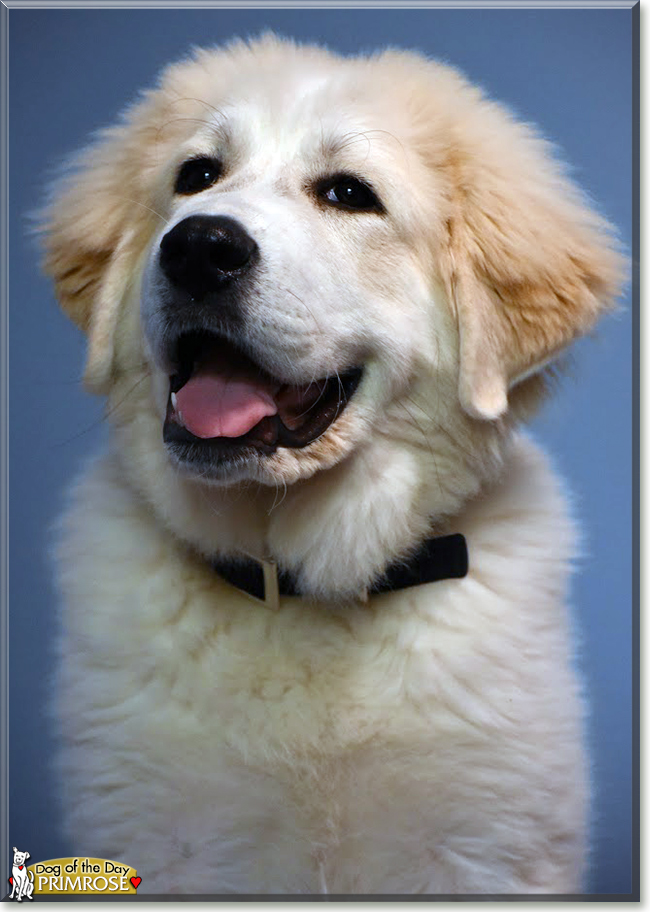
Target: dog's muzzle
(225, 400)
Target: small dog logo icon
(21, 880)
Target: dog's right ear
(88, 231)
(527, 264)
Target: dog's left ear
(528, 265)
(89, 231)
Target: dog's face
(20, 857)
(283, 257)
(287, 298)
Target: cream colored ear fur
(94, 231)
(528, 265)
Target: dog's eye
(349, 193)
(196, 175)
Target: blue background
(71, 72)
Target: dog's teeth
(177, 413)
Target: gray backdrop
(71, 71)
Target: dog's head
(299, 254)
(20, 857)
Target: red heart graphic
(21, 867)
(136, 881)
(11, 881)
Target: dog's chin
(196, 464)
(228, 420)
(281, 468)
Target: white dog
(320, 295)
(23, 880)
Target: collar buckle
(271, 584)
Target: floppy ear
(528, 265)
(89, 250)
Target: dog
(314, 636)
(22, 884)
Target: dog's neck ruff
(436, 559)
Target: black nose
(204, 252)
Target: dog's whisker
(174, 120)
(279, 503)
(200, 101)
(305, 305)
(104, 416)
(136, 202)
(440, 426)
(427, 444)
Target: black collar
(436, 559)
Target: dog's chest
(323, 733)
(313, 734)
(303, 681)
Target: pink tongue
(212, 406)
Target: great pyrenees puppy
(314, 635)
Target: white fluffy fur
(425, 741)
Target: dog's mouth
(221, 402)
